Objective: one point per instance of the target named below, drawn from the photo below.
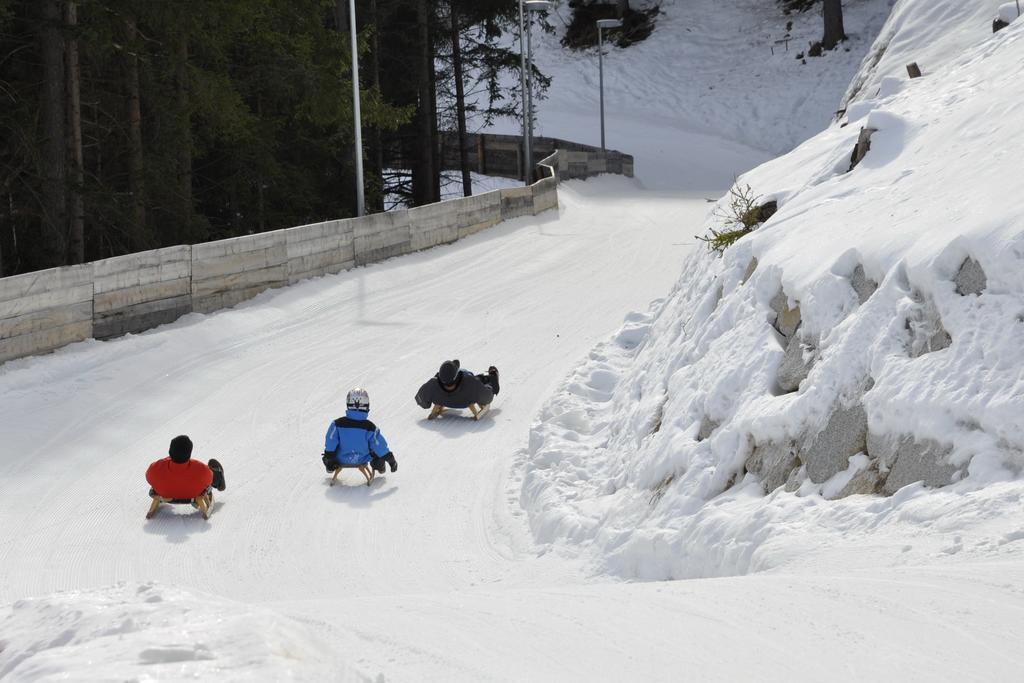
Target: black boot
(218, 475)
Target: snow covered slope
(903, 281)
(709, 92)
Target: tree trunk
(460, 100)
(136, 162)
(422, 184)
(76, 241)
(832, 11)
(185, 141)
(435, 136)
(261, 193)
(377, 145)
(54, 145)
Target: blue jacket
(354, 439)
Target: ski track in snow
(256, 387)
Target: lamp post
(531, 6)
(360, 199)
(601, 25)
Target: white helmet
(358, 399)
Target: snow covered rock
(927, 334)
(862, 284)
(1009, 11)
(1005, 16)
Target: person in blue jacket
(354, 440)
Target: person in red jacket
(180, 477)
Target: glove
(493, 373)
(329, 461)
(390, 458)
(377, 464)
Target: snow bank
(864, 340)
(153, 632)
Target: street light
(601, 25)
(531, 6)
(360, 200)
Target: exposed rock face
(862, 285)
(751, 267)
(796, 477)
(926, 331)
(767, 210)
(787, 319)
(911, 460)
(862, 147)
(829, 451)
(774, 463)
(707, 428)
(971, 278)
(796, 364)
(864, 482)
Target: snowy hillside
(866, 337)
(712, 92)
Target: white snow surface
(505, 551)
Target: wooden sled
(203, 502)
(364, 469)
(477, 410)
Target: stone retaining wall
(42, 311)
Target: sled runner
(477, 410)
(203, 503)
(364, 469)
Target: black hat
(181, 449)
(448, 372)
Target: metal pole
(360, 199)
(522, 78)
(529, 99)
(600, 71)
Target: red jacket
(179, 480)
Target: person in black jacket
(453, 387)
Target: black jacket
(468, 389)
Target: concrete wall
(501, 155)
(138, 291)
(45, 310)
